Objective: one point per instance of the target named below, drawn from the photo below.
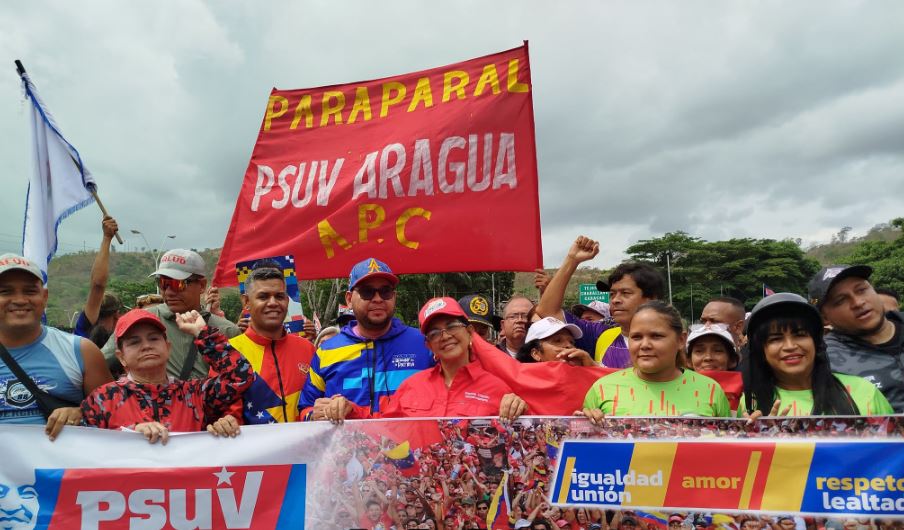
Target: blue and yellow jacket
(345, 363)
(282, 368)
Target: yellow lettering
(361, 105)
(272, 113)
(328, 236)
(303, 109)
(388, 100)
(334, 110)
(365, 223)
(423, 93)
(878, 484)
(403, 221)
(461, 81)
(687, 482)
(833, 483)
(488, 77)
(820, 483)
(513, 84)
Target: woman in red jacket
(457, 386)
(147, 400)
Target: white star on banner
(224, 476)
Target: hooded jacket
(878, 365)
(345, 363)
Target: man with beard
(866, 340)
(372, 355)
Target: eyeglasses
(434, 334)
(165, 283)
(387, 292)
(514, 317)
(718, 326)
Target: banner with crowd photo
(436, 169)
(463, 474)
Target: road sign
(588, 293)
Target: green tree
(885, 257)
(702, 270)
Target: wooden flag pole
(104, 211)
(21, 70)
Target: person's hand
(583, 249)
(595, 416)
(109, 226)
(337, 409)
(575, 357)
(541, 279)
(190, 322)
(511, 407)
(60, 418)
(243, 322)
(319, 410)
(153, 431)
(213, 301)
(227, 427)
(310, 330)
(774, 411)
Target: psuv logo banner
(799, 476)
(104, 480)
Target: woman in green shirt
(789, 372)
(656, 384)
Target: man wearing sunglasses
(372, 355)
(181, 280)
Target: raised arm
(550, 305)
(100, 271)
(234, 374)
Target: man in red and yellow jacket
(281, 360)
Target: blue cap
(371, 268)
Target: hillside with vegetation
(700, 269)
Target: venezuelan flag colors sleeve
(800, 476)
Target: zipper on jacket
(282, 390)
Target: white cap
(548, 327)
(600, 307)
(180, 264)
(10, 262)
(703, 331)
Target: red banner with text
(433, 171)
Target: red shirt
(181, 406)
(474, 392)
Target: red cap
(439, 306)
(136, 316)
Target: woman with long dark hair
(789, 372)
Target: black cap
(344, 315)
(479, 310)
(822, 283)
(602, 286)
(769, 305)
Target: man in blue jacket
(372, 355)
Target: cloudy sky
(723, 119)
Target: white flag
(59, 184)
